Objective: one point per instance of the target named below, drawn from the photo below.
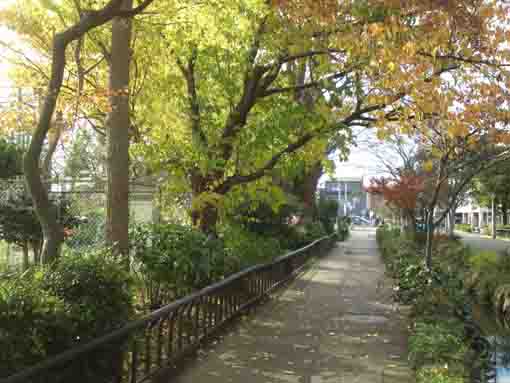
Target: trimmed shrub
(33, 323)
(46, 311)
(313, 231)
(249, 248)
(486, 230)
(464, 227)
(96, 289)
(173, 260)
(327, 211)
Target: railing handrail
(140, 323)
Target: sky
(362, 161)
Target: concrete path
(478, 242)
(336, 324)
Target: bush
(486, 230)
(438, 374)
(438, 344)
(96, 289)
(488, 272)
(387, 240)
(464, 227)
(327, 211)
(33, 324)
(249, 248)
(172, 260)
(46, 311)
(313, 231)
(343, 227)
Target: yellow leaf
(428, 166)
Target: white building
(475, 215)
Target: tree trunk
(26, 259)
(45, 210)
(493, 223)
(309, 191)
(36, 250)
(118, 122)
(451, 223)
(430, 237)
(53, 140)
(504, 213)
(206, 219)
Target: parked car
(357, 220)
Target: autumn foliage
(402, 193)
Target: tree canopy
(223, 92)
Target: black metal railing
(152, 345)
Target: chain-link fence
(80, 208)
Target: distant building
(475, 215)
(350, 194)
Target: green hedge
(46, 311)
(437, 336)
(172, 260)
(464, 227)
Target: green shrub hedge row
(438, 342)
(464, 227)
(50, 309)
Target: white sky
(362, 162)
(5, 35)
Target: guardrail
(151, 346)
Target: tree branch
(238, 179)
(188, 71)
(313, 84)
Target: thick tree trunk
(204, 214)
(117, 188)
(207, 219)
(451, 223)
(309, 191)
(45, 210)
(53, 140)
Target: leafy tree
(449, 164)
(401, 193)
(224, 104)
(20, 226)
(83, 158)
(10, 160)
(232, 113)
(494, 182)
(52, 230)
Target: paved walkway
(336, 324)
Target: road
(475, 241)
